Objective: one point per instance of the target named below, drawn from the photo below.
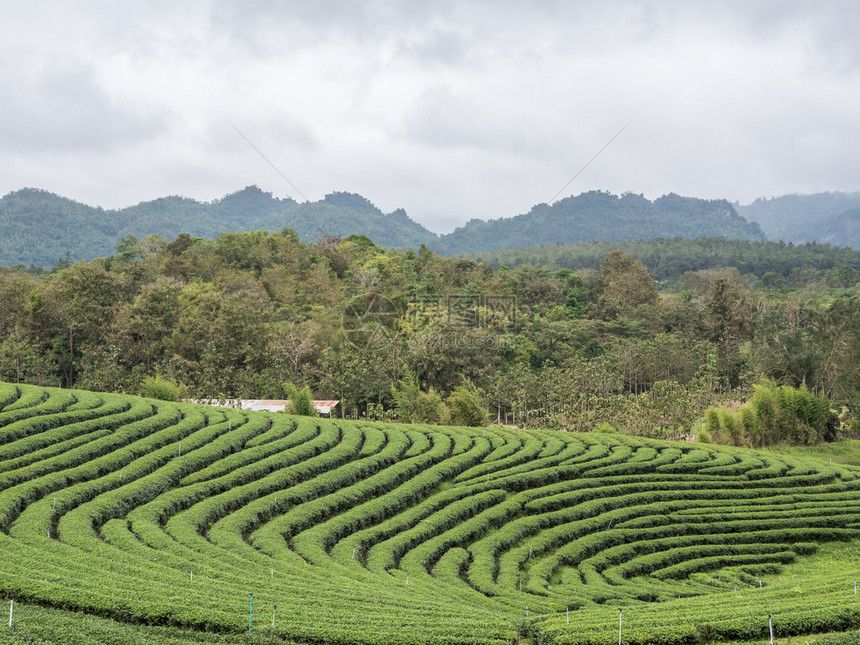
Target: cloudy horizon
(449, 110)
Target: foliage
(429, 408)
(158, 387)
(405, 395)
(466, 405)
(300, 402)
(776, 414)
(240, 315)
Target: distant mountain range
(828, 218)
(38, 227)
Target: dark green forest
(594, 342)
(39, 228)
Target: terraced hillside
(324, 531)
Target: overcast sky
(450, 110)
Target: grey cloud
(441, 119)
(64, 107)
(393, 99)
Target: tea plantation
(218, 521)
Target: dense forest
(670, 258)
(831, 218)
(411, 335)
(37, 227)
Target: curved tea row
(344, 532)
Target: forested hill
(832, 218)
(602, 216)
(38, 227)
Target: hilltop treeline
(413, 335)
(669, 258)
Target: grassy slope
(840, 452)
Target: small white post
(273, 573)
(527, 611)
(274, 609)
(759, 583)
(770, 626)
(620, 612)
(407, 579)
(568, 615)
(11, 603)
(530, 550)
(192, 575)
(353, 553)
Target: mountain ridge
(38, 227)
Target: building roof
(265, 405)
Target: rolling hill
(329, 531)
(38, 227)
(828, 218)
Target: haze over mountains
(38, 227)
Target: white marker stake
(11, 603)
(274, 609)
(759, 583)
(527, 611)
(568, 615)
(353, 553)
(273, 574)
(192, 575)
(407, 579)
(620, 612)
(770, 626)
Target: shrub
(429, 408)
(300, 401)
(158, 387)
(467, 407)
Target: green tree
(429, 408)
(467, 406)
(405, 395)
(625, 282)
(299, 402)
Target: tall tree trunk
(71, 355)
